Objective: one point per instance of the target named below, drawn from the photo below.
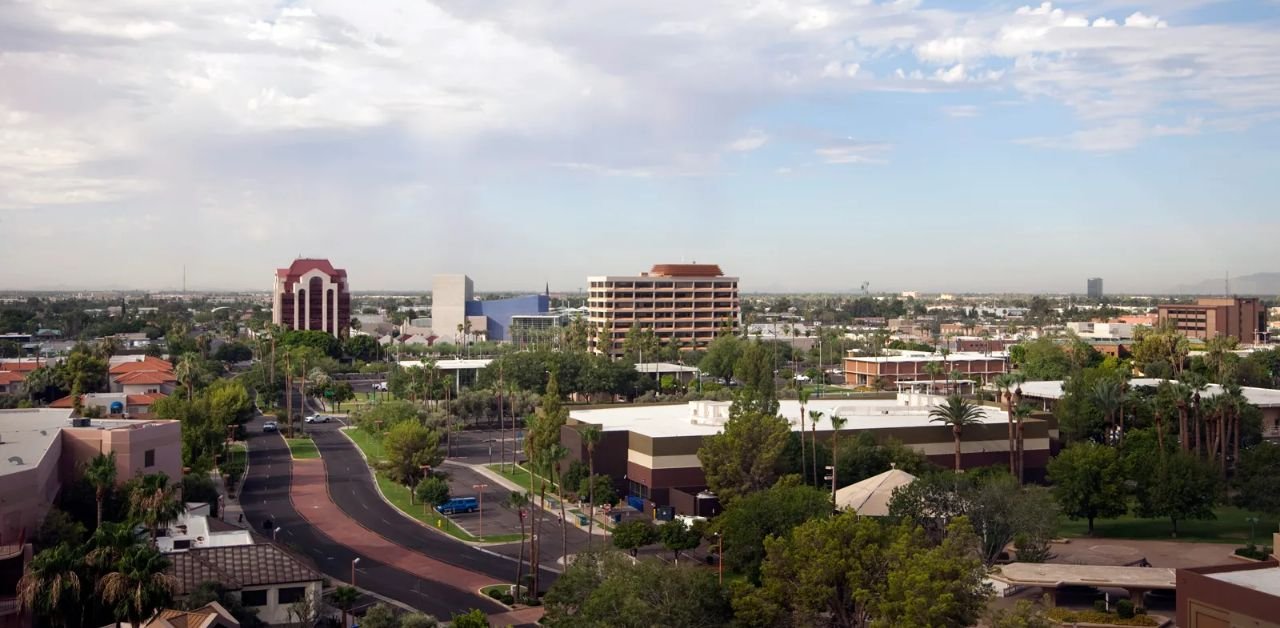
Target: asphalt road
(265, 498)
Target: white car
(316, 418)
(380, 387)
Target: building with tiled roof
(148, 376)
(147, 363)
(114, 404)
(211, 615)
(267, 578)
(684, 305)
(312, 294)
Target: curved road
(266, 498)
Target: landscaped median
(302, 448)
(398, 495)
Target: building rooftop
(664, 367)
(1054, 575)
(27, 435)
(449, 365)
(922, 356)
(704, 418)
(1264, 580)
(237, 567)
(1052, 389)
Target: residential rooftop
(27, 435)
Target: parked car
(380, 387)
(270, 426)
(316, 418)
(459, 504)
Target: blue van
(459, 504)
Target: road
(265, 500)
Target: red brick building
(888, 370)
(312, 294)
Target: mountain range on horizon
(1256, 284)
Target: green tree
(1257, 479)
(754, 370)
(408, 446)
(633, 534)
(773, 512)
(52, 588)
(153, 501)
(519, 502)
(139, 586)
(851, 571)
(721, 357)
(1043, 359)
(604, 589)
(1160, 351)
(1088, 482)
(745, 456)
(100, 473)
(591, 436)
(1024, 614)
(58, 528)
(364, 348)
(474, 618)
(1181, 487)
(678, 537)
(344, 597)
(956, 412)
(380, 616)
(432, 491)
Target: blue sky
(804, 145)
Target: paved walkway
(521, 617)
(310, 496)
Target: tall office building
(1095, 288)
(686, 304)
(312, 294)
(1243, 319)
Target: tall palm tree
(101, 475)
(591, 437)
(518, 502)
(139, 586)
(1020, 413)
(185, 372)
(837, 422)
(957, 412)
(51, 587)
(154, 502)
(804, 400)
(557, 455)
(108, 544)
(1182, 395)
(933, 369)
(1107, 394)
(343, 598)
(1238, 401)
(814, 417)
(1003, 384)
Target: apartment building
(1241, 318)
(685, 304)
(312, 294)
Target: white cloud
(1139, 20)
(1103, 22)
(961, 111)
(751, 141)
(850, 151)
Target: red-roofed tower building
(312, 294)
(684, 304)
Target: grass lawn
(369, 443)
(302, 448)
(521, 476)
(1229, 527)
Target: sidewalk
(552, 504)
(230, 510)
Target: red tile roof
(21, 366)
(148, 363)
(64, 402)
(146, 377)
(10, 377)
(144, 399)
(302, 266)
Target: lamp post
(274, 532)
(480, 488)
(355, 561)
(1253, 521)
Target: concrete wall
(130, 443)
(25, 496)
(449, 297)
(1206, 602)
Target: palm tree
(591, 437)
(933, 369)
(1020, 413)
(1235, 395)
(343, 598)
(814, 417)
(1182, 393)
(154, 502)
(1107, 394)
(185, 371)
(101, 475)
(108, 544)
(1003, 384)
(957, 412)
(804, 399)
(139, 586)
(518, 502)
(557, 454)
(837, 422)
(51, 587)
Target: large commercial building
(454, 307)
(913, 367)
(1094, 288)
(312, 294)
(685, 304)
(651, 450)
(1243, 319)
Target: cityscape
(783, 314)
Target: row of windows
(594, 294)
(665, 285)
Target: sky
(805, 145)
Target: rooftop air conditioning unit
(80, 422)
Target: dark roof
(302, 266)
(237, 566)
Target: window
(254, 598)
(149, 458)
(289, 595)
(181, 544)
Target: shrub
(507, 599)
(1067, 616)
(1124, 609)
(1254, 552)
(1100, 606)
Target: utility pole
(480, 488)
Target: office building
(652, 449)
(912, 367)
(454, 307)
(1094, 288)
(312, 294)
(1240, 318)
(685, 304)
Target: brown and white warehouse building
(652, 450)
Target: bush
(507, 599)
(1067, 616)
(1100, 606)
(1124, 609)
(1254, 552)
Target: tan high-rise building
(688, 304)
(1243, 319)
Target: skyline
(803, 146)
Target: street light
(481, 487)
(355, 561)
(273, 533)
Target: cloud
(1139, 20)
(851, 151)
(961, 111)
(751, 141)
(1115, 136)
